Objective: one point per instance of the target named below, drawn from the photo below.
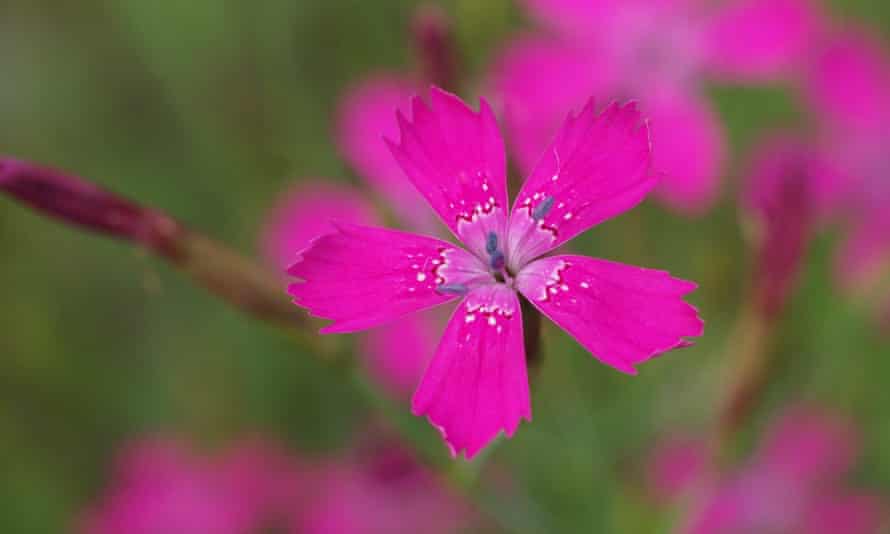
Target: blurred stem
(750, 362)
(531, 332)
(435, 47)
(243, 283)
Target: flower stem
(748, 371)
(241, 282)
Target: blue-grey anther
(452, 289)
(491, 243)
(542, 209)
(498, 261)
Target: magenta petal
(810, 447)
(622, 314)
(597, 167)
(366, 115)
(849, 81)
(865, 253)
(688, 150)
(537, 79)
(306, 212)
(361, 277)
(850, 513)
(753, 40)
(476, 386)
(455, 157)
(721, 512)
(398, 353)
(575, 18)
(676, 465)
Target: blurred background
(211, 110)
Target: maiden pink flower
(365, 115)
(792, 485)
(848, 86)
(380, 491)
(661, 52)
(675, 466)
(476, 385)
(789, 187)
(159, 486)
(395, 355)
(305, 212)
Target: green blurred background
(209, 109)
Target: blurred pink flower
(675, 466)
(790, 186)
(658, 51)
(365, 116)
(380, 491)
(397, 354)
(848, 86)
(307, 211)
(847, 83)
(793, 484)
(476, 385)
(159, 486)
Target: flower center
(497, 262)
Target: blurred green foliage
(210, 108)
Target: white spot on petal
(421, 277)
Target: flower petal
(865, 253)
(622, 314)
(476, 384)
(688, 148)
(396, 354)
(366, 114)
(676, 465)
(853, 513)
(575, 18)
(306, 212)
(597, 167)
(455, 157)
(809, 446)
(757, 40)
(361, 277)
(537, 79)
(849, 80)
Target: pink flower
(394, 354)
(158, 486)
(365, 116)
(848, 86)
(476, 385)
(660, 51)
(848, 81)
(675, 466)
(382, 491)
(790, 186)
(306, 212)
(793, 484)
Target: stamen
(498, 261)
(491, 243)
(542, 209)
(452, 289)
